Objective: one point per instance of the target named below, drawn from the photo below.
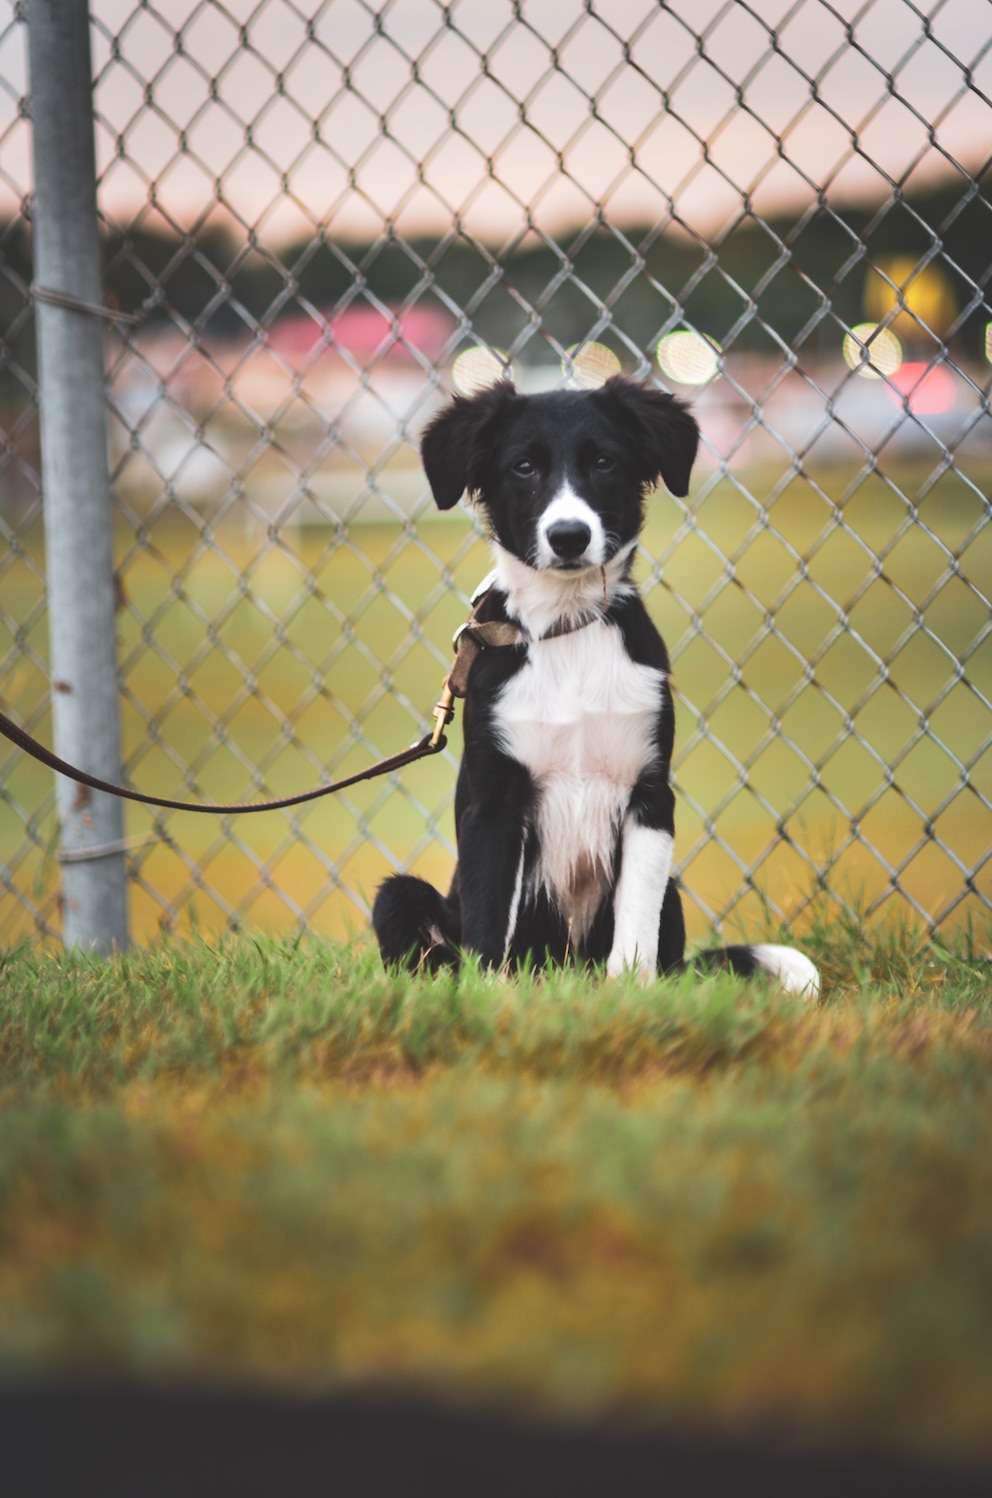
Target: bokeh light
(689, 358)
(925, 391)
(872, 351)
(590, 365)
(476, 368)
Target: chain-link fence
(321, 218)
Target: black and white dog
(563, 809)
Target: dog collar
(497, 634)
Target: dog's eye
(524, 468)
(604, 463)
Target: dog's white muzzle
(570, 534)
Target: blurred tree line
(763, 286)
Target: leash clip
(444, 711)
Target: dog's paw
(618, 964)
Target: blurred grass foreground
(267, 1163)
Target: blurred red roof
(363, 332)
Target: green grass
(703, 1199)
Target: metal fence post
(79, 556)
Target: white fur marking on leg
(644, 870)
(511, 924)
(793, 970)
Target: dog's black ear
(663, 429)
(451, 444)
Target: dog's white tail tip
(793, 970)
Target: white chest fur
(581, 717)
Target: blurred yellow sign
(922, 294)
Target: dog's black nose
(568, 539)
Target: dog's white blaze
(580, 715)
(567, 505)
(647, 863)
(793, 970)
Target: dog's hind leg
(414, 925)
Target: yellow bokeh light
(909, 297)
(477, 368)
(689, 358)
(590, 365)
(872, 351)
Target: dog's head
(561, 476)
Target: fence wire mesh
(321, 219)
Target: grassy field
(270, 1162)
(196, 645)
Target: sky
(349, 115)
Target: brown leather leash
(469, 640)
(432, 744)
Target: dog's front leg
(647, 840)
(490, 871)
